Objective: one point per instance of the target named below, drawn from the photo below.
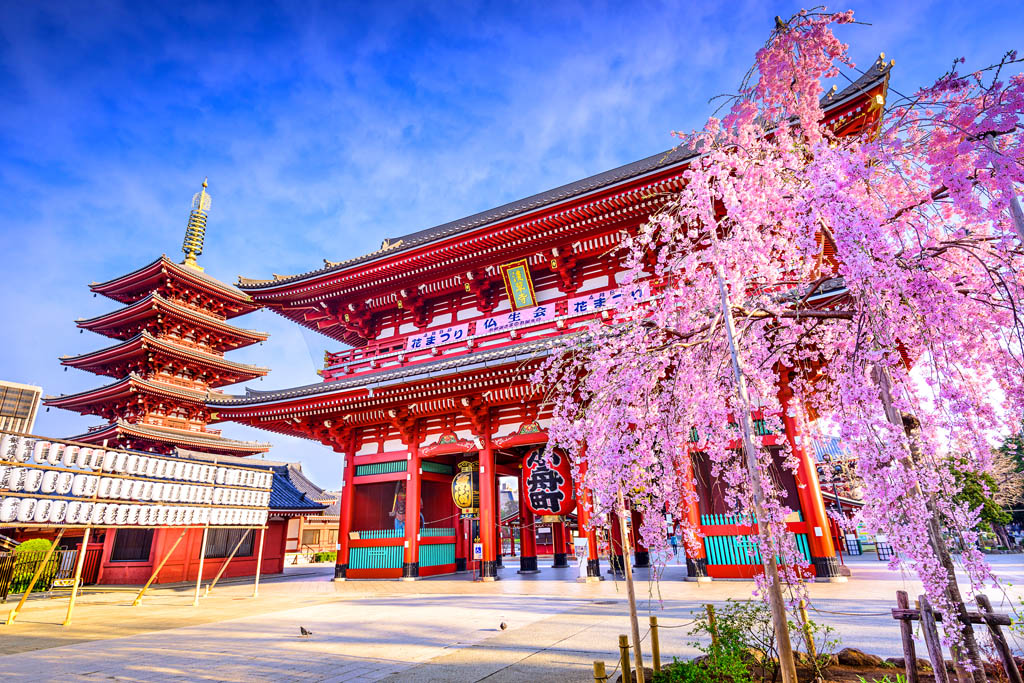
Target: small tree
(798, 260)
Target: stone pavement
(441, 629)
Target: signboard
(433, 338)
(610, 300)
(518, 284)
(478, 551)
(582, 549)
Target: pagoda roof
(97, 361)
(877, 74)
(84, 401)
(199, 441)
(122, 323)
(135, 285)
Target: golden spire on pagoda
(196, 230)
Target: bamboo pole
(259, 564)
(630, 590)
(805, 624)
(226, 563)
(600, 675)
(624, 658)
(202, 559)
(138, 598)
(79, 563)
(787, 664)
(35, 577)
(655, 644)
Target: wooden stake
(907, 634)
(627, 676)
(259, 564)
(78, 575)
(812, 651)
(202, 559)
(138, 598)
(932, 641)
(600, 675)
(35, 577)
(226, 563)
(655, 644)
(712, 626)
(999, 640)
(634, 622)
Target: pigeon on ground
(503, 626)
(304, 632)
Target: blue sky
(325, 128)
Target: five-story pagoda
(169, 360)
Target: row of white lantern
(22, 450)
(30, 480)
(45, 511)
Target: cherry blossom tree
(866, 277)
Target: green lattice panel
(381, 533)
(438, 531)
(436, 467)
(376, 558)
(437, 554)
(382, 468)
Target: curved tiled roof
(878, 72)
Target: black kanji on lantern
(544, 482)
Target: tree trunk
(628, 566)
(911, 427)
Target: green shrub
(36, 545)
(325, 557)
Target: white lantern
(9, 509)
(122, 514)
(42, 512)
(151, 466)
(99, 511)
(18, 477)
(92, 485)
(121, 462)
(109, 461)
(64, 482)
(7, 442)
(134, 514)
(131, 464)
(106, 484)
(179, 469)
(26, 509)
(22, 452)
(110, 514)
(39, 451)
(96, 458)
(161, 514)
(6, 471)
(82, 457)
(33, 480)
(70, 455)
(58, 511)
(74, 509)
(49, 481)
(55, 453)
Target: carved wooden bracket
(412, 300)
(405, 424)
(359, 319)
(484, 288)
(563, 264)
(475, 409)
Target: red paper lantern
(548, 480)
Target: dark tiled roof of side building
(285, 496)
(878, 72)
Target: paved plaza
(441, 629)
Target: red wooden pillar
(641, 556)
(558, 545)
(819, 538)
(693, 543)
(461, 544)
(527, 532)
(348, 497)
(488, 511)
(616, 545)
(500, 552)
(584, 500)
(411, 560)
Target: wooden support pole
(79, 563)
(712, 626)
(637, 654)
(805, 625)
(224, 566)
(931, 639)
(907, 634)
(202, 559)
(259, 564)
(655, 644)
(999, 640)
(600, 675)
(624, 658)
(138, 598)
(35, 577)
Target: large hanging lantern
(549, 490)
(466, 489)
